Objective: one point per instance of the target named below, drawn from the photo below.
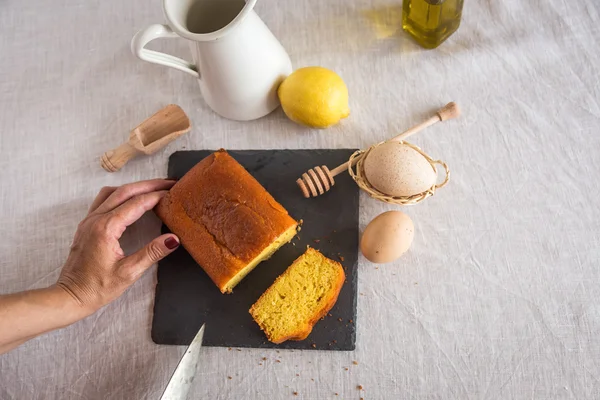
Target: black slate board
(186, 297)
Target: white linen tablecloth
(496, 299)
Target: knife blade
(179, 385)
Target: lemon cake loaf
(299, 297)
(225, 219)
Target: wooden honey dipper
(148, 137)
(319, 180)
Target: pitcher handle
(145, 36)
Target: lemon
(315, 97)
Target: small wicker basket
(318, 180)
(357, 172)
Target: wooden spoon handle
(113, 160)
(339, 169)
(449, 111)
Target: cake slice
(299, 297)
(225, 219)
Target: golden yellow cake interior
(286, 237)
(299, 297)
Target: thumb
(150, 254)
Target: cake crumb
(229, 349)
(339, 319)
(314, 346)
(345, 368)
(264, 358)
(355, 362)
(359, 387)
(341, 257)
(317, 240)
(350, 320)
(259, 363)
(329, 314)
(239, 349)
(297, 374)
(229, 377)
(277, 361)
(277, 351)
(334, 341)
(336, 394)
(312, 379)
(362, 294)
(295, 393)
(376, 267)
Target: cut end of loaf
(449, 111)
(265, 254)
(301, 296)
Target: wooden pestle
(148, 137)
(319, 180)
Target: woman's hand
(97, 270)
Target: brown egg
(387, 237)
(396, 169)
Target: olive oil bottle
(430, 22)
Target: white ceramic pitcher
(238, 62)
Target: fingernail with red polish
(171, 243)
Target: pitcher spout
(207, 20)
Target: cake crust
(223, 217)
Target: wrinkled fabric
(497, 297)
